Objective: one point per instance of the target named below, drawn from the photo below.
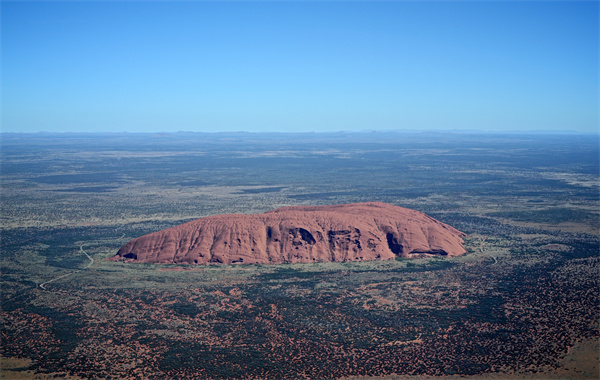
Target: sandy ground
(582, 362)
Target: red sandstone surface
(299, 234)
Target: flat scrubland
(523, 303)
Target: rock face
(299, 234)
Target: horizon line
(364, 131)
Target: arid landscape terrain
(522, 303)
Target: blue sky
(299, 66)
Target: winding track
(43, 285)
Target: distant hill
(299, 234)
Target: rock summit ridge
(299, 234)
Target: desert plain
(523, 302)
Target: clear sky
(299, 66)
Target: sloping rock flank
(299, 234)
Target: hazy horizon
(332, 132)
(163, 67)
